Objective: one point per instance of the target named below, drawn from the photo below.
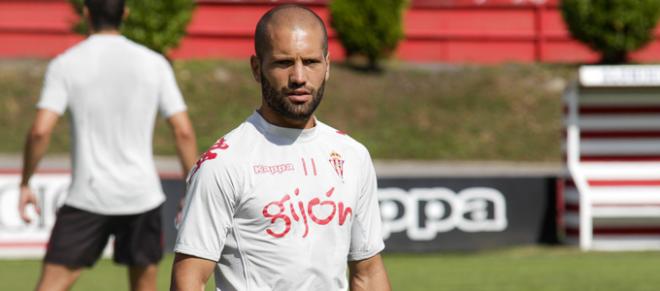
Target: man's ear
(127, 12)
(255, 65)
(87, 18)
(327, 66)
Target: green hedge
(157, 24)
(372, 28)
(612, 27)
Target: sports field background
(507, 112)
(516, 269)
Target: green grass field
(517, 269)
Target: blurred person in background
(113, 89)
(283, 202)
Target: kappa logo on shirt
(209, 154)
(273, 170)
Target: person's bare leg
(143, 278)
(56, 277)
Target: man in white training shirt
(283, 202)
(113, 89)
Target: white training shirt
(282, 209)
(113, 89)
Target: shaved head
(289, 16)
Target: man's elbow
(37, 134)
(182, 127)
(184, 134)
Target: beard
(277, 100)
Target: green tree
(372, 28)
(157, 24)
(612, 27)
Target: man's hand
(26, 198)
(35, 146)
(179, 212)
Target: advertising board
(419, 214)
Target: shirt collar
(283, 135)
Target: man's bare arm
(190, 273)
(36, 145)
(184, 136)
(186, 148)
(369, 275)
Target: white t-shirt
(281, 208)
(113, 89)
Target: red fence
(454, 31)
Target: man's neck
(276, 119)
(106, 32)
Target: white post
(573, 156)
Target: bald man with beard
(284, 201)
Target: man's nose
(297, 77)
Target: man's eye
(310, 62)
(284, 63)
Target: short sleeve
(170, 100)
(366, 236)
(54, 95)
(207, 214)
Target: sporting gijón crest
(337, 163)
(210, 154)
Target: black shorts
(79, 237)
